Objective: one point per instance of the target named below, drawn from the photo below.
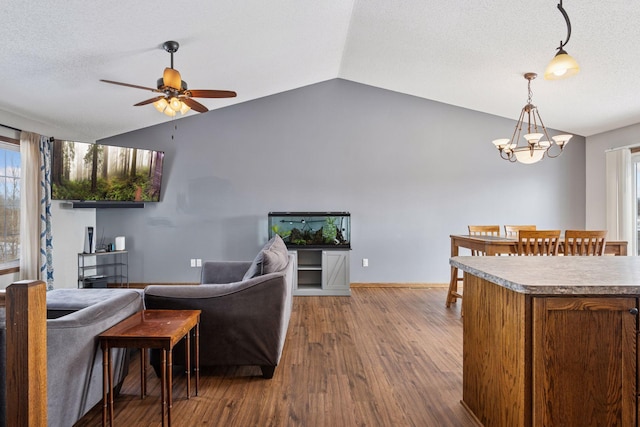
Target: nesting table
(152, 329)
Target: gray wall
(410, 171)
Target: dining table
(500, 245)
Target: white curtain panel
(29, 206)
(619, 193)
(35, 208)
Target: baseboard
(399, 285)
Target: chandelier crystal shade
(536, 146)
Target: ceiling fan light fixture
(169, 112)
(185, 108)
(161, 104)
(175, 104)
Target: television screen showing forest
(82, 171)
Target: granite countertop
(541, 275)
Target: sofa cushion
(272, 257)
(61, 302)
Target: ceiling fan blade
(195, 105)
(204, 93)
(148, 101)
(130, 85)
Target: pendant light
(562, 65)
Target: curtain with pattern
(36, 254)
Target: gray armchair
(244, 319)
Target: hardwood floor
(382, 357)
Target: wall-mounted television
(96, 172)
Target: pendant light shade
(562, 65)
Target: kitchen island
(550, 341)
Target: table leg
(163, 383)
(110, 375)
(453, 282)
(143, 373)
(105, 384)
(169, 384)
(197, 350)
(187, 352)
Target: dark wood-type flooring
(382, 357)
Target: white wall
(68, 227)
(596, 145)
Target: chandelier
(562, 65)
(536, 147)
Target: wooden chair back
(584, 242)
(538, 242)
(512, 230)
(483, 230)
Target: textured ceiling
(470, 53)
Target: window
(9, 205)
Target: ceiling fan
(175, 95)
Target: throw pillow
(272, 257)
(275, 259)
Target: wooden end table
(157, 329)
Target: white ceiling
(470, 53)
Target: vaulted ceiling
(469, 53)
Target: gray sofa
(75, 318)
(245, 306)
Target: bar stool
(474, 230)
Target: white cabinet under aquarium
(320, 243)
(321, 272)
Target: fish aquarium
(312, 229)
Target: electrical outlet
(198, 262)
(365, 262)
(193, 262)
